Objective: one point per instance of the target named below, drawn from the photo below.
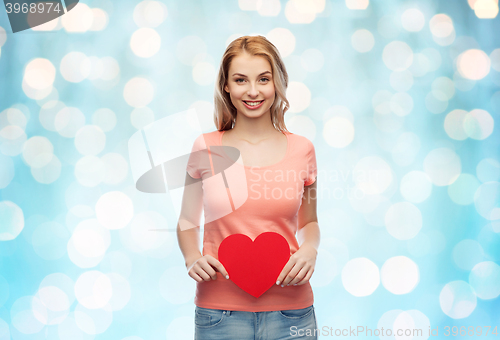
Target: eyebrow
(239, 74)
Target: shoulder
(207, 138)
(301, 142)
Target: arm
(200, 268)
(308, 234)
(188, 229)
(300, 267)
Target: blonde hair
(225, 112)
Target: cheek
(269, 91)
(237, 94)
(269, 94)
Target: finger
(199, 270)
(285, 271)
(215, 264)
(300, 275)
(202, 273)
(209, 270)
(289, 275)
(306, 278)
(220, 268)
(293, 272)
(195, 276)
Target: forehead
(249, 65)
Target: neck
(254, 128)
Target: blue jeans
(217, 324)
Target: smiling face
(250, 85)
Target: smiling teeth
(254, 104)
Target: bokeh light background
(399, 97)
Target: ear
(226, 88)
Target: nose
(252, 91)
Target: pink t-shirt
(269, 201)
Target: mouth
(253, 104)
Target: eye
(264, 79)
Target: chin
(256, 113)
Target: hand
(299, 267)
(204, 268)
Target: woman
(279, 196)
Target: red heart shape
(254, 266)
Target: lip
(253, 107)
